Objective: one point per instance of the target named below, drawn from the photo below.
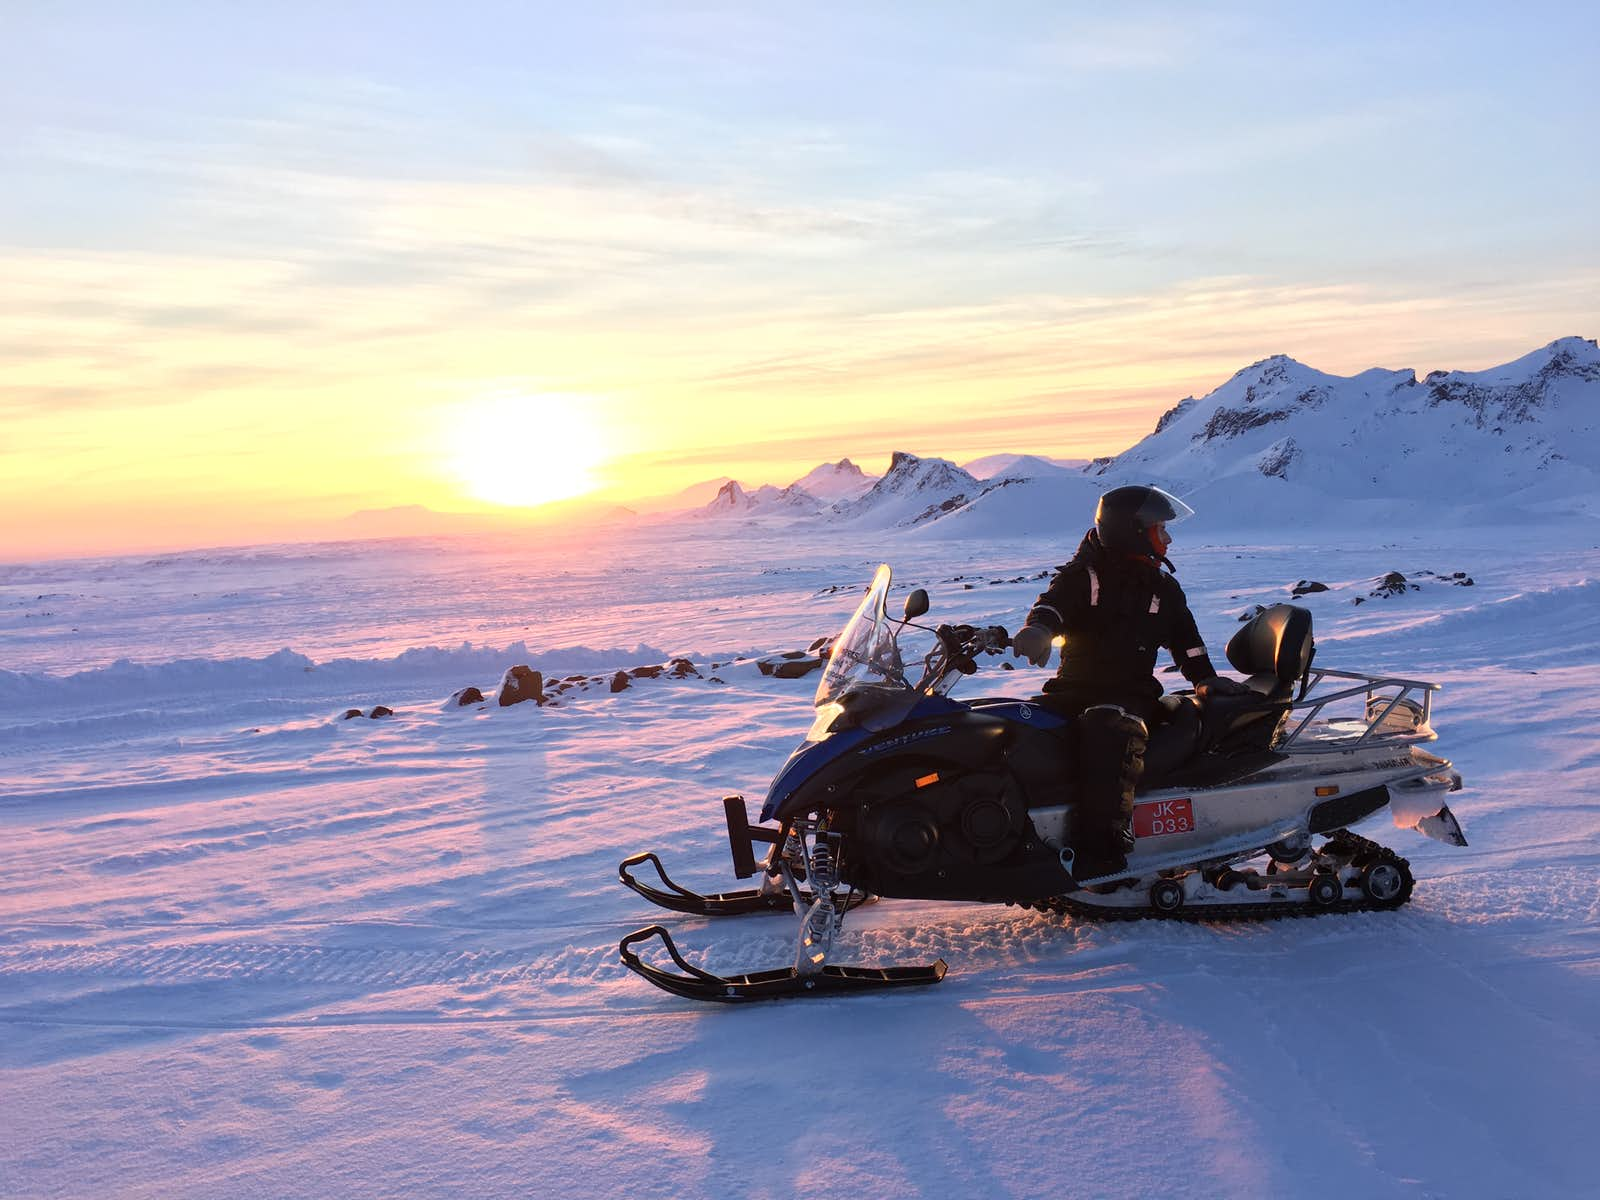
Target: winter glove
(1221, 685)
(1032, 642)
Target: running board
(765, 985)
(719, 904)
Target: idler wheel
(1289, 851)
(1382, 882)
(1326, 889)
(1166, 895)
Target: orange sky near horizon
(285, 440)
(316, 436)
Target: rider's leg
(1111, 746)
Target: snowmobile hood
(807, 759)
(811, 757)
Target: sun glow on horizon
(523, 450)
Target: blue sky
(758, 233)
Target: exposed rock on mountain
(730, 499)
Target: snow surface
(250, 949)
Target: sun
(523, 449)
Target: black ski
(765, 985)
(719, 904)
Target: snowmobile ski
(718, 904)
(781, 983)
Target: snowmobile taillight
(1328, 790)
(927, 779)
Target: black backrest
(1276, 641)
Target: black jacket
(1115, 610)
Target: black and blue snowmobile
(898, 790)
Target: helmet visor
(1161, 506)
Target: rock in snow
(521, 683)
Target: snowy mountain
(733, 501)
(1279, 432)
(832, 482)
(913, 490)
(1060, 504)
(813, 492)
(1021, 466)
(696, 495)
(1278, 444)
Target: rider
(1113, 606)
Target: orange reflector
(1327, 791)
(927, 779)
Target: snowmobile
(898, 790)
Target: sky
(266, 265)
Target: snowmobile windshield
(866, 653)
(865, 673)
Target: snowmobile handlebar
(964, 643)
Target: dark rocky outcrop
(1396, 584)
(1393, 584)
(380, 710)
(521, 683)
(620, 681)
(352, 712)
(466, 696)
(1306, 586)
(1276, 460)
(1231, 422)
(791, 664)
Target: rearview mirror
(916, 603)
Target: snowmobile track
(1365, 850)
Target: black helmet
(1124, 516)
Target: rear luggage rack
(1411, 698)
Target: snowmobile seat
(1273, 651)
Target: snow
(836, 481)
(251, 949)
(1020, 466)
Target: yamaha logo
(1025, 713)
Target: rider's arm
(1060, 605)
(1187, 646)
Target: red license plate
(1162, 817)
